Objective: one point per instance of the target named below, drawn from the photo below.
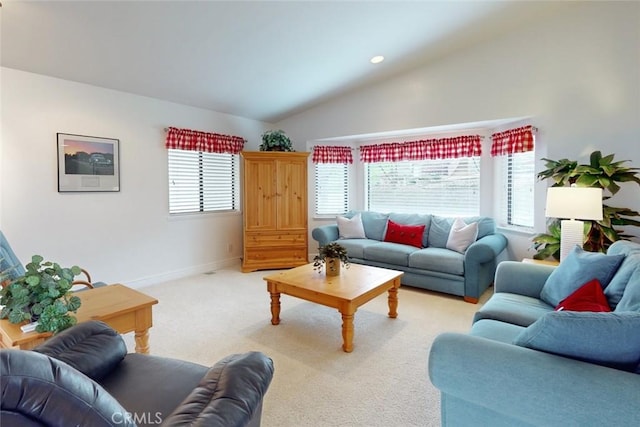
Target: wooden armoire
(274, 209)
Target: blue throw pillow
(631, 297)
(617, 286)
(439, 231)
(608, 339)
(578, 268)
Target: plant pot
(332, 266)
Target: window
(332, 188)
(447, 187)
(517, 192)
(202, 182)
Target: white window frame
(201, 182)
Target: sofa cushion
(350, 228)
(405, 234)
(170, 379)
(486, 225)
(438, 259)
(619, 281)
(496, 330)
(588, 297)
(578, 268)
(631, 298)
(355, 247)
(374, 223)
(439, 231)
(513, 308)
(462, 235)
(441, 226)
(609, 339)
(390, 253)
(623, 247)
(414, 219)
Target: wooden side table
(541, 261)
(122, 308)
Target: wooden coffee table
(354, 286)
(122, 308)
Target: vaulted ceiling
(264, 60)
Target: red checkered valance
(511, 141)
(194, 140)
(332, 154)
(426, 149)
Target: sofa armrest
(521, 278)
(230, 393)
(325, 234)
(480, 260)
(535, 387)
(486, 248)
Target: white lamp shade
(574, 203)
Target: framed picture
(88, 163)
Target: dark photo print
(88, 158)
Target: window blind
(331, 188)
(202, 182)
(517, 195)
(447, 187)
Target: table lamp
(573, 204)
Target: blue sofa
(525, 364)
(433, 266)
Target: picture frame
(88, 163)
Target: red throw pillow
(588, 297)
(405, 234)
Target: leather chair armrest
(37, 389)
(92, 348)
(230, 394)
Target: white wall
(127, 236)
(577, 73)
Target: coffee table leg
(347, 332)
(275, 308)
(142, 341)
(393, 299)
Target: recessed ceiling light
(377, 59)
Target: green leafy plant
(548, 244)
(275, 140)
(601, 172)
(42, 294)
(330, 253)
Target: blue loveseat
(432, 266)
(525, 364)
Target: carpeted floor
(383, 382)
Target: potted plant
(601, 172)
(332, 254)
(43, 295)
(275, 140)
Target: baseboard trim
(181, 273)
